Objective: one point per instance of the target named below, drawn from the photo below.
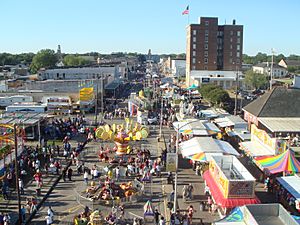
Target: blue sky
(136, 25)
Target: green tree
(206, 89)
(255, 80)
(73, 60)
(218, 96)
(45, 58)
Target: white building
(58, 104)
(79, 73)
(178, 67)
(29, 107)
(225, 79)
(265, 68)
(9, 100)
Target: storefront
(230, 183)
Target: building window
(194, 53)
(238, 47)
(194, 32)
(230, 39)
(193, 67)
(205, 68)
(238, 40)
(206, 39)
(205, 60)
(230, 46)
(206, 32)
(231, 54)
(194, 46)
(231, 33)
(230, 60)
(206, 53)
(238, 54)
(238, 33)
(238, 61)
(206, 46)
(194, 39)
(206, 23)
(194, 60)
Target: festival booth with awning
(262, 144)
(207, 145)
(259, 214)
(230, 183)
(289, 191)
(196, 127)
(282, 163)
(192, 87)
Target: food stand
(230, 183)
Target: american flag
(186, 11)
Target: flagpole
(189, 16)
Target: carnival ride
(121, 135)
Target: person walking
(156, 216)
(86, 177)
(69, 173)
(190, 191)
(21, 186)
(23, 213)
(162, 221)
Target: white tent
(206, 145)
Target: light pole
(161, 116)
(176, 172)
(17, 174)
(236, 92)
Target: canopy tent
(196, 127)
(285, 162)
(198, 157)
(206, 145)
(219, 198)
(203, 157)
(256, 149)
(193, 86)
(148, 209)
(236, 215)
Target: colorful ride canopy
(285, 162)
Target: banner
(86, 94)
(171, 162)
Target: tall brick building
(214, 47)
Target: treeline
(263, 57)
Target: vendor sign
(258, 135)
(171, 162)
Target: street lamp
(176, 172)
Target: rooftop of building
(267, 65)
(280, 102)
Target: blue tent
(193, 86)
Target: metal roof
(281, 124)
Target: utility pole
(102, 92)
(96, 103)
(17, 174)
(236, 92)
(161, 115)
(271, 72)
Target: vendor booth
(262, 144)
(206, 145)
(196, 127)
(230, 183)
(258, 214)
(289, 191)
